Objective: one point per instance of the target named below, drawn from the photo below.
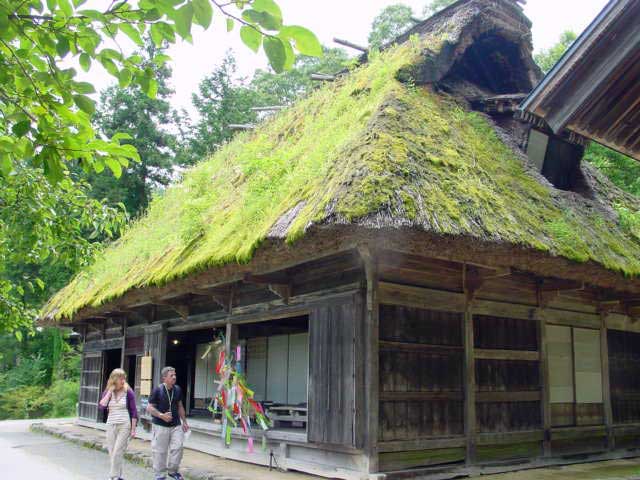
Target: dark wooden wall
(517, 379)
(421, 385)
(332, 372)
(624, 374)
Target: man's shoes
(176, 476)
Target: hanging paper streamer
(234, 399)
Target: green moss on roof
(366, 145)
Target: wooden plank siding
(90, 380)
(421, 384)
(332, 373)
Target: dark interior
(493, 64)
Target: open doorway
(111, 361)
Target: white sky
(348, 19)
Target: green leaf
(84, 87)
(229, 24)
(40, 283)
(264, 19)
(183, 19)
(85, 104)
(114, 166)
(203, 12)
(152, 90)
(62, 46)
(304, 39)
(52, 4)
(66, 8)
(18, 335)
(276, 54)
(132, 32)
(268, 6)
(156, 34)
(251, 38)
(5, 164)
(124, 78)
(85, 61)
(20, 129)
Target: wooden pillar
(124, 341)
(606, 386)
(230, 338)
(545, 404)
(470, 427)
(372, 359)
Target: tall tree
(151, 123)
(284, 88)
(435, 6)
(223, 98)
(546, 59)
(389, 23)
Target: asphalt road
(27, 455)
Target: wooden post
(124, 341)
(606, 386)
(545, 405)
(470, 428)
(230, 338)
(372, 347)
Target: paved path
(28, 455)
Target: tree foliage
(546, 59)
(435, 6)
(152, 125)
(223, 98)
(46, 232)
(389, 23)
(47, 110)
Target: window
(575, 376)
(557, 159)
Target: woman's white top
(118, 412)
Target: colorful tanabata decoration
(234, 399)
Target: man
(165, 406)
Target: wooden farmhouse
(425, 278)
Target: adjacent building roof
(380, 149)
(594, 90)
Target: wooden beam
(525, 355)
(321, 77)
(606, 384)
(524, 396)
(283, 291)
(241, 126)
(349, 44)
(557, 285)
(545, 403)
(372, 357)
(220, 296)
(471, 284)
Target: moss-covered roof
(366, 149)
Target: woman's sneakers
(176, 476)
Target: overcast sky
(349, 19)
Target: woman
(120, 401)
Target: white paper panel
(277, 360)
(257, 366)
(559, 354)
(587, 364)
(205, 368)
(298, 368)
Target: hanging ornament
(233, 399)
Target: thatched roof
(377, 149)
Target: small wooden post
(606, 386)
(545, 405)
(372, 345)
(470, 427)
